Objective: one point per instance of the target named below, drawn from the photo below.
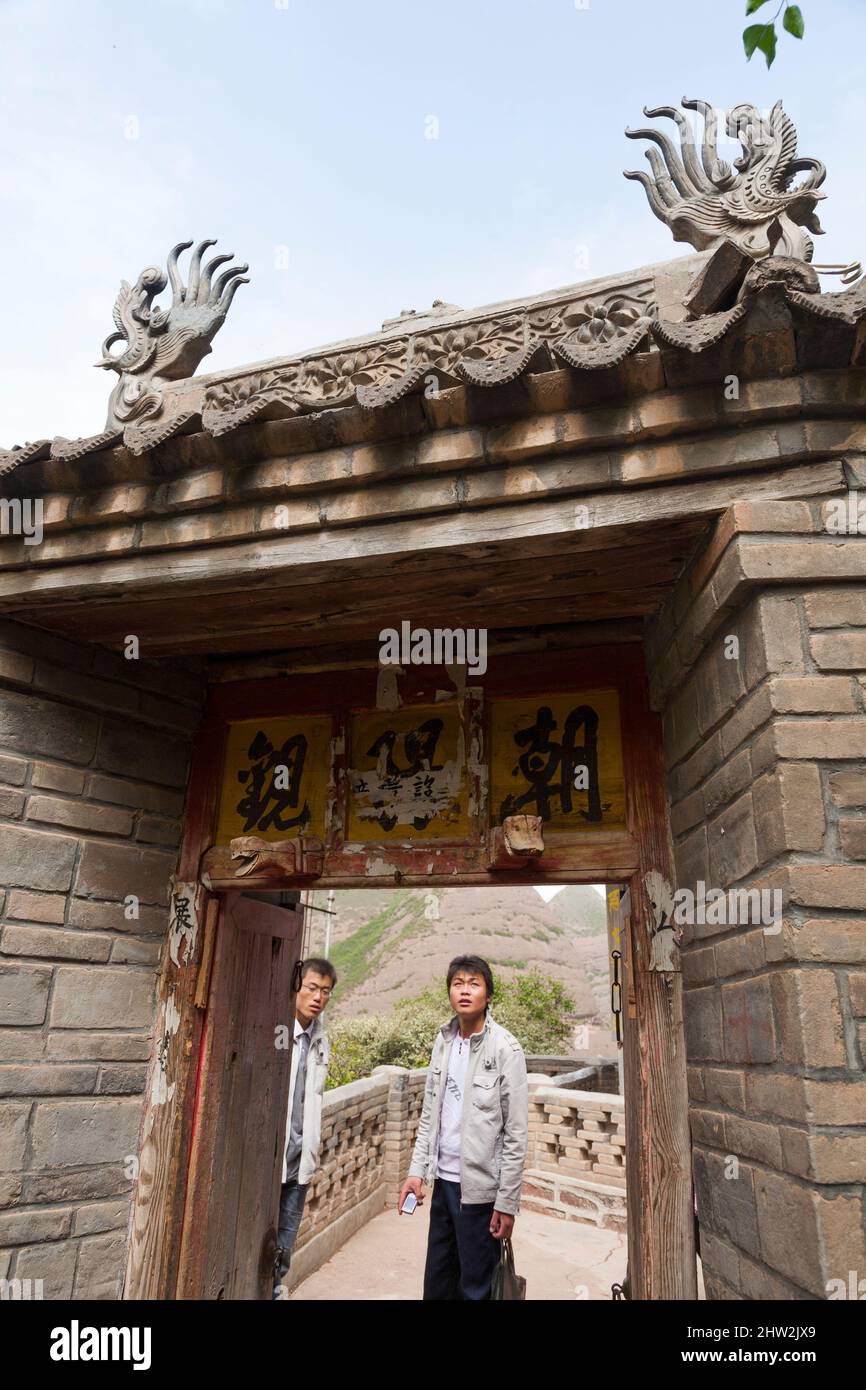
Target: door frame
(658, 1143)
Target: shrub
(536, 1009)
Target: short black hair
(321, 967)
(477, 966)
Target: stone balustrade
(605, 1069)
(575, 1164)
(581, 1133)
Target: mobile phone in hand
(410, 1202)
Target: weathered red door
(229, 1226)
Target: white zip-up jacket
(314, 1090)
(494, 1124)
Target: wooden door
(228, 1237)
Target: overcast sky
(297, 133)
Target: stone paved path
(561, 1260)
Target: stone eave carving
(746, 214)
(696, 335)
(164, 345)
(847, 306)
(754, 204)
(73, 449)
(593, 332)
(592, 356)
(34, 452)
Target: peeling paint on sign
(457, 674)
(332, 803)
(477, 775)
(387, 691)
(408, 774)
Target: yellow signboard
(559, 757)
(408, 774)
(275, 778)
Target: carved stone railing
(604, 1069)
(575, 1165)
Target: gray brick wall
(765, 743)
(94, 753)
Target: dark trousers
(461, 1252)
(292, 1198)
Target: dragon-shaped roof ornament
(165, 345)
(753, 204)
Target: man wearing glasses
(304, 1127)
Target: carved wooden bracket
(518, 840)
(251, 862)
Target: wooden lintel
(610, 855)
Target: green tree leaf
(762, 36)
(792, 21)
(753, 5)
(750, 38)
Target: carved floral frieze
(487, 352)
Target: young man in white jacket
(472, 1139)
(310, 1054)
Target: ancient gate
(351, 778)
(662, 469)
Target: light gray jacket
(314, 1090)
(495, 1120)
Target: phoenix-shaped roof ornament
(165, 345)
(753, 204)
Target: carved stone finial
(165, 344)
(752, 204)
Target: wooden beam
(523, 525)
(652, 554)
(352, 656)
